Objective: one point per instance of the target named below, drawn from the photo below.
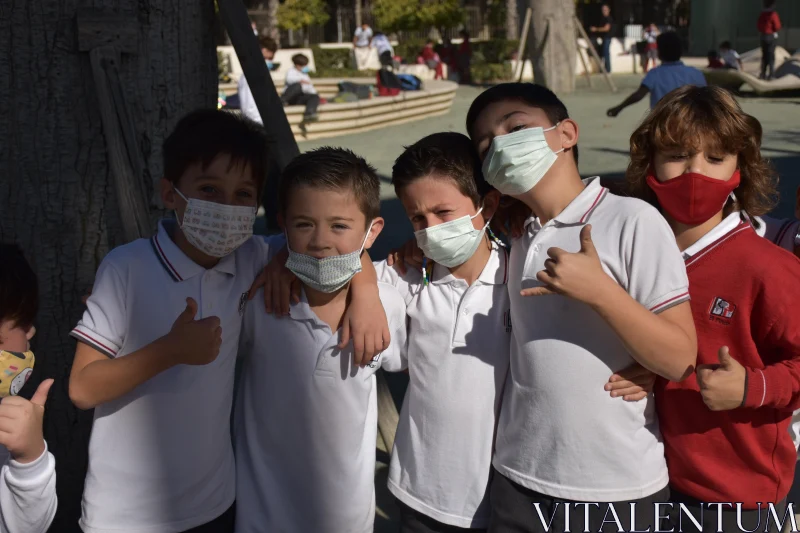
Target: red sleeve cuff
(755, 393)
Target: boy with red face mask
(697, 157)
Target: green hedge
(326, 72)
(331, 58)
(490, 72)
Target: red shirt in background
(769, 22)
(744, 295)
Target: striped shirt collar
(175, 262)
(580, 209)
(730, 225)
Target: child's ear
(374, 231)
(30, 333)
(491, 201)
(168, 196)
(569, 133)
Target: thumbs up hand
(195, 342)
(722, 385)
(21, 424)
(578, 275)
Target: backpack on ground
(388, 83)
(363, 92)
(409, 82)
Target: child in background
(306, 414)
(28, 478)
(697, 157)
(651, 47)
(299, 90)
(713, 60)
(730, 57)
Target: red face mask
(693, 198)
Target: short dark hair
(531, 94)
(334, 169)
(725, 44)
(448, 154)
(19, 289)
(669, 46)
(269, 43)
(202, 135)
(300, 60)
(713, 54)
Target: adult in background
(362, 38)
(665, 78)
(384, 49)
(769, 24)
(605, 31)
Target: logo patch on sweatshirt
(722, 311)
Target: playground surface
(603, 151)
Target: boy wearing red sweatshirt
(725, 429)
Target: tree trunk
(58, 202)
(512, 20)
(272, 20)
(552, 44)
(358, 15)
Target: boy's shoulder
(394, 305)
(626, 209)
(133, 255)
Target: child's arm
(633, 383)
(28, 485)
(97, 378)
(640, 93)
(665, 343)
(365, 317)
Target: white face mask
(451, 243)
(328, 274)
(517, 161)
(216, 229)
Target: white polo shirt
(560, 433)
(306, 423)
(160, 457)
(458, 349)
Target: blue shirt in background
(669, 76)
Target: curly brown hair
(709, 119)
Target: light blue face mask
(451, 243)
(328, 274)
(270, 64)
(305, 70)
(517, 161)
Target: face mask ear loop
(364, 242)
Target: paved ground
(603, 151)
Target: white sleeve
(105, 319)
(246, 102)
(293, 76)
(28, 495)
(656, 270)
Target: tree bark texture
(552, 44)
(512, 20)
(57, 200)
(272, 20)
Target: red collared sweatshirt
(745, 294)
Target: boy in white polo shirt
(602, 301)
(306, 415)
(458, 338)
(157, 343)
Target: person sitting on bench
(299, 90)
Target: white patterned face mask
(216, 229)
(328, 274)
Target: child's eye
(340, 227)
(518, 128)
(443, 212)
(245, 194)
(302, 225)
(677, 157)
(208, 189)
(716, 159)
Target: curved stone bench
(326, 87)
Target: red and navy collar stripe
(162, 257)
(744, 226)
